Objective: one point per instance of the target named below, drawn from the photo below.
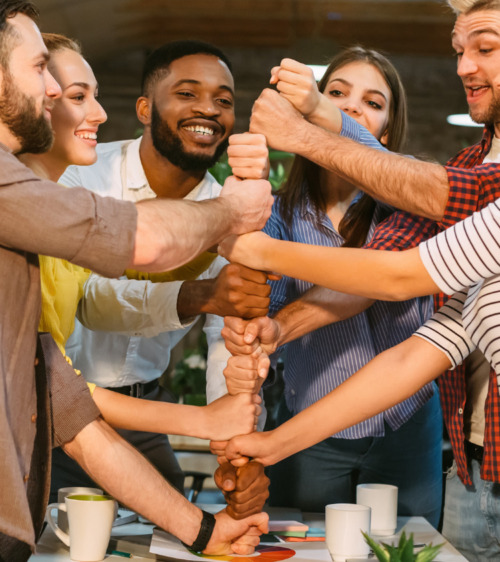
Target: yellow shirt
(62, 288)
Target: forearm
(412, 185)
(326, 115)
(393, 276)
(170, 233)
(135, 414)
(388, 379)
(195, 297)
(315, 309)
(129, 478)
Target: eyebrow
(345, 82)
(198, 83)
(479, 32)
(83, 85)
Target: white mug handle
(61, 535)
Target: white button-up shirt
(143, 315)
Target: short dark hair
(158, 62)
(8, 36)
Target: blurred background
(116, 35)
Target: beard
(18, 112)
(488, 116)
(168, 143)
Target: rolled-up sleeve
(42, 217)
(71, 405)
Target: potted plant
(189, 380)
(403, 552)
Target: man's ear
(143, 110)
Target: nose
(97, 114)
(205, 105)
(466, 65)
(351, 107)
(52, 88)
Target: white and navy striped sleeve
(445, 330)
(351, 129)
(465, 253)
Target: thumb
(259, 520)
(252, 331)
(225, 477)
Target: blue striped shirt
(318, 362)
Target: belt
(138, 389)
(473, 451)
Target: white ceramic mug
(62, 518)
(343, 525)
(383, 499)
(90, 518)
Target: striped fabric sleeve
(351, 129)
(466, 252)
(445, 330)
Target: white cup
(343, 525)
(62, 518)
(90, 518)
(383, 499)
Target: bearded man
(129, 326)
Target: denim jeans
(472, 515)
(410, 458)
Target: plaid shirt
(473, 185)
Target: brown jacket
(40, 217)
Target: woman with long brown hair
(360, 92)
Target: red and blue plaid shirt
(473, 185)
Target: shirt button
(460, 411)
(292, 392)
(37, 361)
(33, 418)
(26, 477)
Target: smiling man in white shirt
(131, 324)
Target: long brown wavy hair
(304, 180)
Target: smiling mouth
(475, 91)
(200, 130)
(86, 136)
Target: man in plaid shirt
(440, 196)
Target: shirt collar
(486, 140)
(134, 172)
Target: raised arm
(171, 233)
(368, 273)
(412, 185)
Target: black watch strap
(206, 530)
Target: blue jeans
(410, 458)
(472, 515)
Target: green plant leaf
(380, 552)
(428, 553)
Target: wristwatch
(206, 530)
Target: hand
(259, 446)
(246, 374)
(250, 249)
(239, 291)
(232, 415)
(296, 83)
(248, 156)
(250, 202)
(238, 536)
(245, 488)
(246, 337)
(275, 117)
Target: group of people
(138, 265)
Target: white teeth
(85, 135)
(201, 130)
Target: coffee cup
(62, 518)
(344, 524)
(90, 518)
(383, 500)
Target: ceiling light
(462, 120)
